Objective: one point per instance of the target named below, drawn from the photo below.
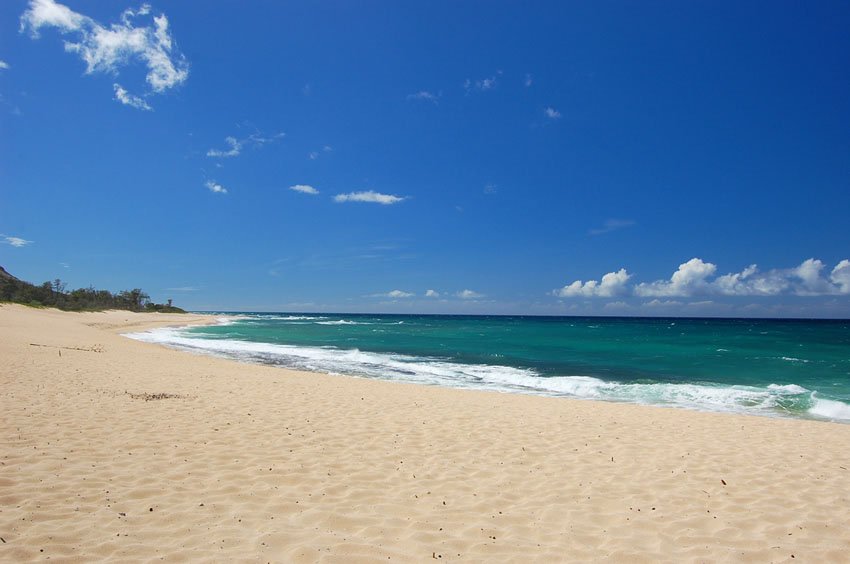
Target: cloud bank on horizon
(105, 49)
(698, 278)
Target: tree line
(55, 294)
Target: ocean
(780, 368)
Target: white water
(772, 400)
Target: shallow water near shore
(791, 368)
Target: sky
(541, 158)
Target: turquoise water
(768, 367)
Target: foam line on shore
(773, 400)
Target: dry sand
(122, 450)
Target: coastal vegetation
(55, 294)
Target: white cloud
(304, 189)
(15, 241)
(49, 13)
(4, 65)
(183, 289)
(841, 276)
(215, 187)
(808, 281)
(749, 282)
(313, 155)
(369, 196)
(811, 282)
(528, 80)
(399, 294)
(612, 284)
(612, 225)
(552, 113)
(106, 49)
(424, 95)
(432, 294)
(693, 278)
(234, 151)
(803, 280)
(393, 294)
(690, 278)
(129, 99)
(468, 295)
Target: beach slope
(112, 448)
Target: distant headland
(55, 294)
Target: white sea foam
(788, 388)
(341, 322)
(830, 409)
(287, 317)
(774, 399)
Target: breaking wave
(772, 400)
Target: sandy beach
(122, 450)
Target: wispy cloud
(129, 99)
(313, 155)
(234, 151)
(256, 139)
(425, 96)
(215, 187)
(108, 48)
(529, 80)
(469, 295)
(369, 196)
(552, 113)
(613, 284)
(482, 85)
(612, 225)
(491, 188)
(304, 189)
(4, 65)
(394, 294)
(15, 241)
(183, 289)
(432, 294)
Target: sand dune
(122, 450)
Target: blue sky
(614, 158)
